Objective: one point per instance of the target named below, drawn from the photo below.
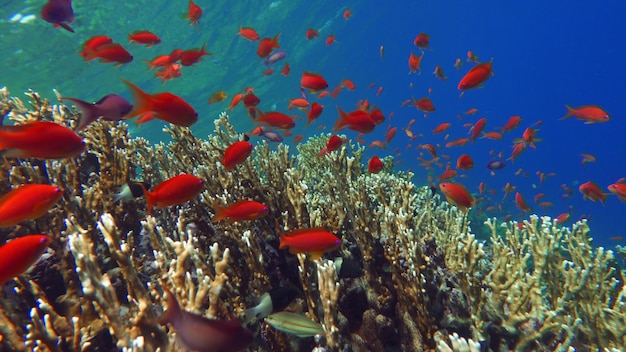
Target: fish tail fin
(88, 112)
(173, 312)
(220, 212)
(570, 112)
(341, 121)
(143, 100)
(149, 199)
(275, 41)
(65, 26)
(251, 315)
(283, 241)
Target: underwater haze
(544, 55)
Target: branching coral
(424, 273)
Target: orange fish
(587, 158)
(592, 191)
(334, 142)
(108, 53)
(236, 99)
(414, 63)
(520, 203)
(439, 73)
(311, 33)
(457, 194)
(144, 37)
(424, 104)
(194, 13)
(356, 120)
(511, 124)
(285, 70)
(167, 106)
(476, 76)
(277, 119)
(478, 128)
(314, 241)
(464, 162)
(492, 135)
(313, 81)
(590, 114)
(330, 40)
(19, 254)
(249, 33)
(267, 45)
(442, 127)
(94, 43)
(562, 218)
(192, 56)
(41, 140)
(236, 153)
(422, 40)
(27, 202)
(298, 103)
(176, 190)
(375, 165)
(240, 211)
(619, 189)
(347, 13)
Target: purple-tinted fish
(111, 108)
(198, 333)
(496, 164)
(57, 12)
(275, 57)
(271, 135)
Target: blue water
(545, 55)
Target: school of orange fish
(48, 140)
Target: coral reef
(426, 283)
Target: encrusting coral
(426, 282)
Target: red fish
(167, 106)
(478, 128)
(439, 73)
(314, 241)
(520, 203)
(375, 165)
(236, 153)
(347, 13)
(27, 202)
(176, 190)
(249, 34)
(511, 124)
(144, 37)
(277, 119)
(587, 158)
(592, 191)
(415, 62)
(109, 53)
(442, 127)
(314, 113)
(330, 40)
(476, 76)
(285, 70)
(457, 194)
(464, 162)
(240, 211)
(313, 81)
(422, 40)
(41, 140)
(94, 43)
(192, 56)
(590, 114)
(169, 72)
(236, 99)
(250, 100)
(357, 120)
(619, 189)
(334, 142)
(58, 12)
(562, 218)
(267, 45)
(19, 254)
(194, 13)
(197, 333)
(312, 33)
(424, 104)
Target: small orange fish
(476, 76)
(587, 158)
(424, 104)
(41, 140)
(313, 81)
(235, 100)
(144, 37)
(167, 106)
(619, 189)
(464, 162)
(249, 34)
(192, 56)
(19, 254)
(194, 12)
(330, 40)
(414, 63)
(236, 153)
(311, 33)
(176, 190)
(356, 120)
(478, 128)
(267, 45)
(457, 194)
(347, 13)
(511, 124)
(562, 218)
(422, 40)
(590, 114)
(592, 191)
(27, 202)
(439, 73)
(313, 241)
(442, 127)
(240, 211)
(520, 203)
(314, 113)
(285, 70)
